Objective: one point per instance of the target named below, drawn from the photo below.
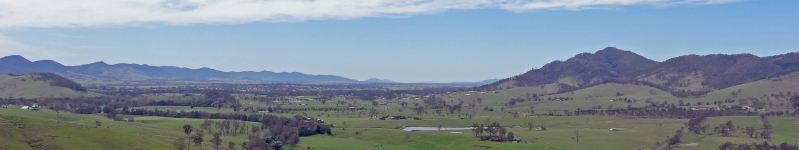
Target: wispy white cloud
(93, 13)
(11, 46)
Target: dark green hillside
(585, 68)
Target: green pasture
(53, 134)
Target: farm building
(33, 107)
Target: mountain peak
(610, 48)
(101, 63)
(15, 59)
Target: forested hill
(16, 64)
(688, 75)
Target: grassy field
(155, 128)
(24, 86)
(785, 130)
(638, 133)
(50, 134)
(188, 108)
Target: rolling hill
(684, 76)
(771, 94)
(37, 85)
(16, 64)
(23, 133)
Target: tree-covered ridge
(688, 75)
(57, 80)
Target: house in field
(5, 106)
(35, 107)
(540, 129)
(32, 107)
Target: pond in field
(435, 128)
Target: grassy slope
(789, 82)
(155, 128)
(785, 130)
(585, 98)
(11, 86)
(63, 135)
(602, 94)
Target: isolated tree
(474, 129)
(197, 138)
(439, 127)
(187, 129)
(217, 140)
(130, 119)
(750, 131)
(179, 144)
(542, 126)
(59, 106)
(97, 123)
(529, 126)
(231, 146)
(206, 125)
(236, 126)
(480, 100)
(510, 136)
(244, 145)
(502, 132)
(577, 136)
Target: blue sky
(403, 40)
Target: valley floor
(352, 132)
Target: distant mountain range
(688, 75)
(16, 64)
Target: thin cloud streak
(10, 46)
(101, 13)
